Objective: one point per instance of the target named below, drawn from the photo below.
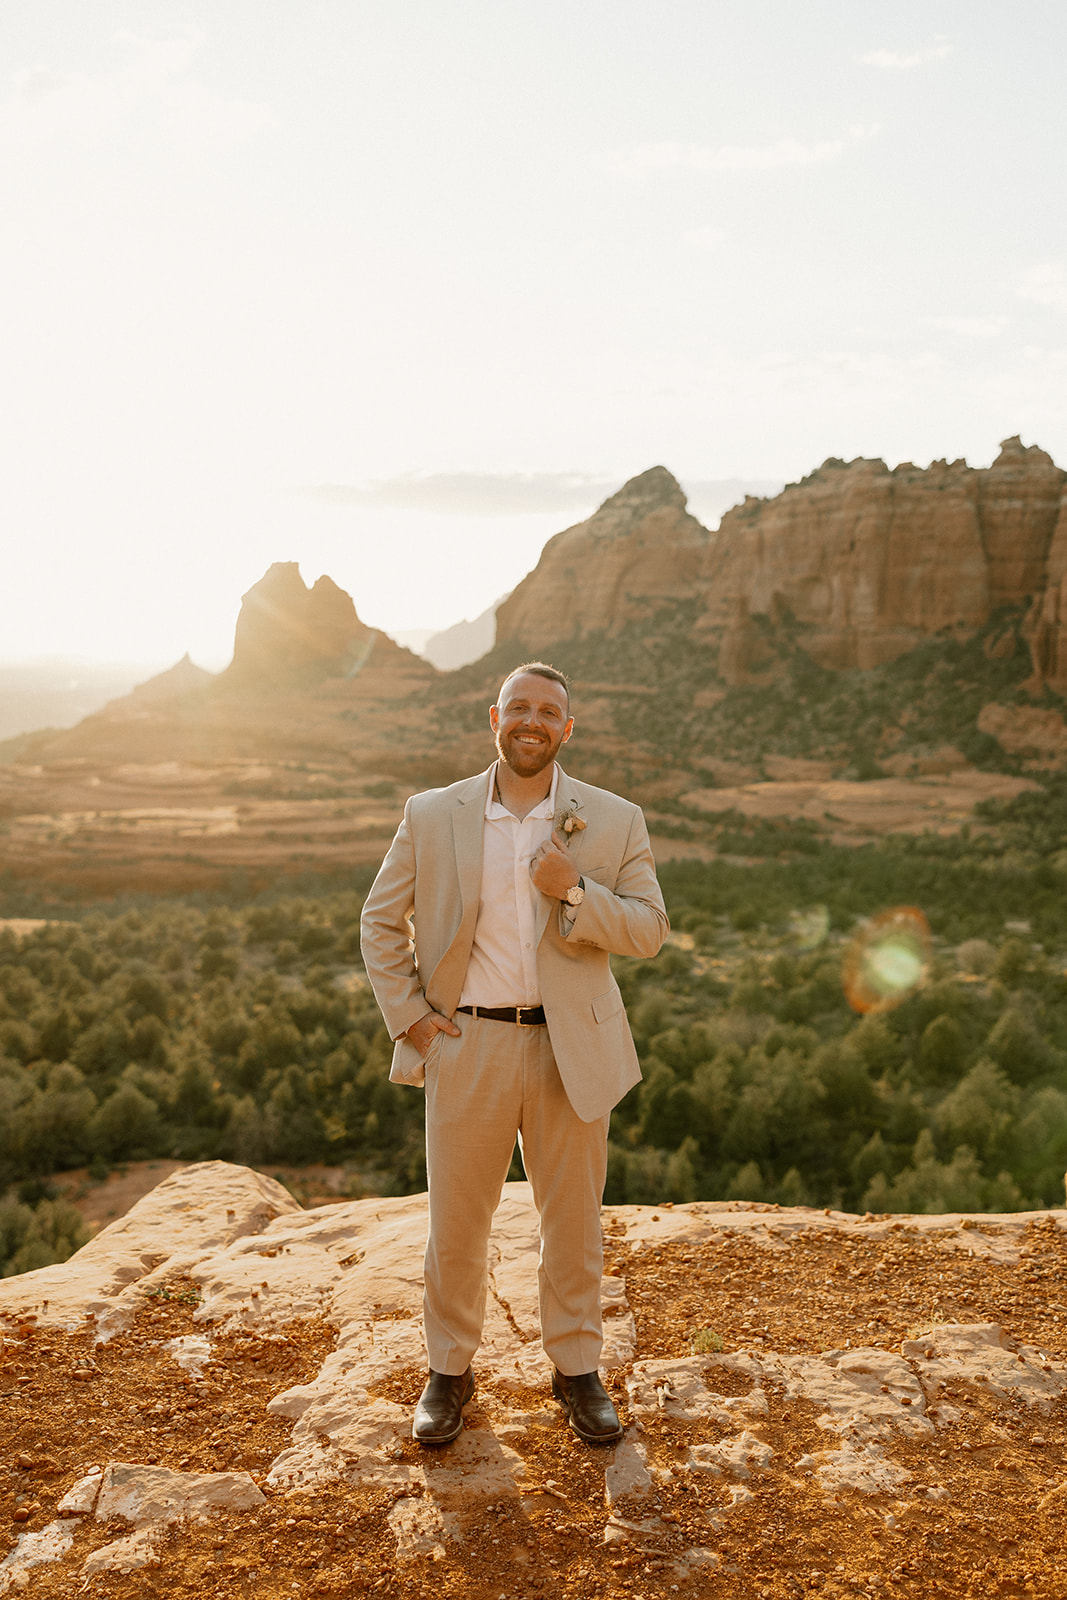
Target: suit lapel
(567, 800)
(468, 818)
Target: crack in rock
(509, 1317)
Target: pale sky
(397, 288)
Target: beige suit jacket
(419, 918)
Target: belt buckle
(520, 1018)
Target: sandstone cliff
(1046, 627)
(640, 549)
(290, 635)
(308, 680)
(1018, 505)
(867, 560)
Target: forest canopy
(247, 1031)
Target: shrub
(38, 1236)
(126, 1126)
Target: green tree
(126, 1126)
(942, 1048)
(32, 1237)
(980, 1112)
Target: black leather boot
(588, 1407)
(439, 1413)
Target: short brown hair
(540, 669)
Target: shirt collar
(494, 811)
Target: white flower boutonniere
(567, 822)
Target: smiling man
(487, 936)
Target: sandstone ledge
(718, 1440)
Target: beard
(525, 761)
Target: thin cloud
(475, 494)
(667, 155)
(899, 61)
(1045, 286)
(469, 494)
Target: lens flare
(887, 960)
(809, 928)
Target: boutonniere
(567, 822)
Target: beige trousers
(497, 1081)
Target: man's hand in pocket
(421, 1033)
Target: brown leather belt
(525, 1016)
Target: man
(518, 884)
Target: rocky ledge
(214, 1397)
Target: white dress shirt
(502, 970)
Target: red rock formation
(1046, 626)
(289, 635)
(869, 561)
(640, 549)
(745, 656)
(872, 560)
(1018, 504)
(308, 679)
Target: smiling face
(531, 722)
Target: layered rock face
(869, 561)
(873, 560)
(290, 635)
(1018, 507)
(640, 549)
(1046, 626)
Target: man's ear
(568, 730)
(494, 717)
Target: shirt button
(526, 946)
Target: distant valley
(57, 693)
